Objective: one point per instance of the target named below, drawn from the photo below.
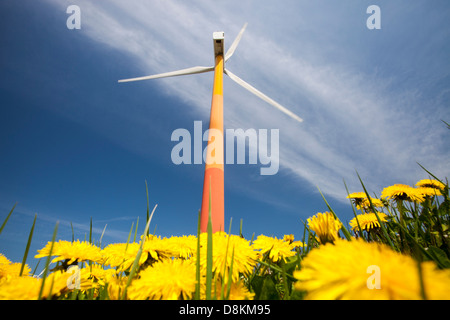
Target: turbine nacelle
(218, 40)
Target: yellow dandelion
(430, 183)
(156, 249)
(326, 226)
(121, 255)
(288, 238)
(357, 270)
(182, 247)
(20, 288)
(357, 197)
(367, 221)
(116, 287)
(28, 288)
(365, 204)
(278, 249)
(429, 192)
(362, 202)
(9, 269)
(3, 259)
(238, 291)
(170, 279)
(228, 248)
(95, 275)
(71, 252)
(402, 192)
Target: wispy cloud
(354, 120)
(48, 221)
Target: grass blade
(7, 218)
(209, 250)
(430, 173)
(135, 231)
(226, 260)
(73, 234)
(148, 205)
(230, 277)
(240, 229)
(24, 260)
(47, 263)
(90, 232)
(197, 272)
(138, 256)
(101, 237)
(354, 213)
(376, 214)
(129, 235)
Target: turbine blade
(182, 72)
(235, 43)
(262, 95)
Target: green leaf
(291, 264)
(264, 288)
(439, 256)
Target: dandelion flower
(170, 279)
(367, 221)
(365, 204)
(116, 287)
(182, 247)
(357, 197)
(121, 255)
(361, 201)
(73, 252)
(429, 183)
(157, 249)
(228, 248)
(28, 288)
(238, 291)
(402, 192)
(326, 226)
(348, 270)
(95, 275)
(9, 269)
(429, 192)
(279, 249)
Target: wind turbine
(213, 184)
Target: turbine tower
(213, 184)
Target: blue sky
(75, 144)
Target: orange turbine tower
(213, 183)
